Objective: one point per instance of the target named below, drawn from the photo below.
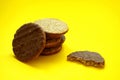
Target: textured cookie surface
(29, 41)
(53, 26)
(87, 58)
(49, 51)
(54, 42)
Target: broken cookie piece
(87, 58)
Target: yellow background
(93, 25)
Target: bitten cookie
(54, 42)
(29, 41)
(49, 51)
(87, 58)
(54, 28)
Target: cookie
(51, 36)
(29, 41)
(54, 28)
(54, 42)
(50, 51)
(87, 58)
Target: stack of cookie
(43, 37)
(54, 30)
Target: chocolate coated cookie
(29, 41)
(54, 28)
(87, 58)
(54, 42)
(49, 51)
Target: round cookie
(54, 28)
(29, 41)
(54, 42)
(50, 51)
